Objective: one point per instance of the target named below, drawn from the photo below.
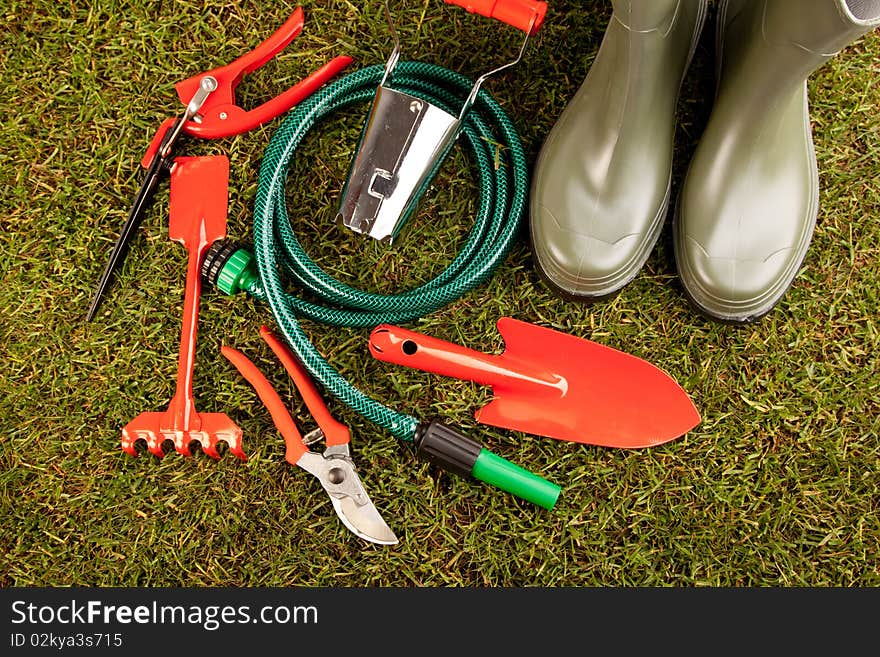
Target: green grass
(777, 486)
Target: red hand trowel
(553, 384)
(197, 218)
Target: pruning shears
(334, 468)
(211, 112)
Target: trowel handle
(525, 15)
(393, 344)
(182, 410)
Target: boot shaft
(647, 15)
(820, 27)
(777, 44)
(645, 52)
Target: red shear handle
(230, 75)
(335, 433)
(518, 13)
(227, 119)
(221, 117)
(275, 43)
(280, 415)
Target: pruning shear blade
(350, 501)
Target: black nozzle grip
(447, 448)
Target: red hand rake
(197, 218)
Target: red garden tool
(549, 383)
(197, 218)
(334, 468)
(211, 112)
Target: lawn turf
(778, 486)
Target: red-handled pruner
(219, 116)
(211, 113)
(334, 468)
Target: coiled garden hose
(278, 256)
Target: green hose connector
(239, 273)
(453, 451)
(508, 476)
(229, 268)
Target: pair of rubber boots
(747, 207)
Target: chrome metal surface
(404, 141)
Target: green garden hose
(279, 257)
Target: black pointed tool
(160, 166)
(213, 118)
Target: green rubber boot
(748, 205)
(600, 187)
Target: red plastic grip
(518, 13)
(394, 344)
(335, 433)
(280, 415)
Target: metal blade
(335, 470)
(363, 520)
(612, 398)
(626, 428)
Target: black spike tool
(160, 166)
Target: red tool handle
(280, 415)
(225, 119)
(335, 433)
(230, 75)
(271, 46)
(181, 414)
(221, 117)
(393, 344)
(518, 13)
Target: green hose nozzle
(508, 476)
(453, 451)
